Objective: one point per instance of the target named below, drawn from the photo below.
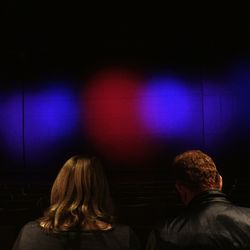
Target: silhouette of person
(210, 220)
(80, 215)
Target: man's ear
(220, 182)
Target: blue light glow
(50, 116)
(240, 82)
(170, 108)
(218, 103)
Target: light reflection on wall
(124, 117)
(219, 112)
(50, 115)
(170, 108)
(239, 79)
(111, 116)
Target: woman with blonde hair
(80, 215)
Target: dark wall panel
(11, 130)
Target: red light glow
(111, 117)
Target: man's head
(195, 172)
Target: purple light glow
(50, 116)
(219, 112)
(170, 109)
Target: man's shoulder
(201, 226)
(242, 208)
(200, 215)
(240, 213)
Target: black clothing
(210, 221)
(120, 237)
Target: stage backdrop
(133, 120)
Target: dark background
(50, 40)
(39, 38)
(41, 41)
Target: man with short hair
(210, 220)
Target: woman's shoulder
(127, 234)
(124, 231)
(31, 226)
(121, 227)
(32, 229)
(32, 232)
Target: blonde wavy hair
(80, 198)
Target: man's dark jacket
(210, 221)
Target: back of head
(196, 170)
(80, 195)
